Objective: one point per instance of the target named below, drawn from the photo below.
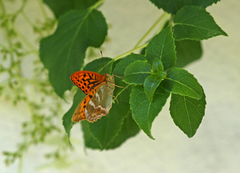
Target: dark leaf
(187, 52)
(144, 111)
(180, 81)
(195, 23)
(137, 72)
(187, 113)
(63, 52)
(172, 6)
(162, 47)
(60, 7)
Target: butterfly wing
(97, 103)
(79, 115)
(80, 112)
(100, 103)
(87, 80)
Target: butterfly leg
(117, 76)
(113, 96)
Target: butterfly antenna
(102, 61)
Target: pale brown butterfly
(99, 89)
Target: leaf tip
(150, 135)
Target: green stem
(24, 2)
(30, 107)
(24, 40)
(2, 7)
(40, 3)
(126, 53)
(1, 45)
(27, 19)
(171, 23)
(150, 29)
(122, 90)
(20, 164)
(97, 4)
(130, 51)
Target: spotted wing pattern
(87, 80)
(97, 103)
(79, 113)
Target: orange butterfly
(99, 90)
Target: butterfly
(99, 90)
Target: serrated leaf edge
(199, 96)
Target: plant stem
(126, 53)
(1, 45)
(122, 90)
(150, 29)
(40, 3)
(27, 19)
(20, 164)
(24, 40)
(22, 7)
(130, 51)
(171, 22)
(97, 4)
(2, 7)
(30, 107)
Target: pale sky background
(216, 146)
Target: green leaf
(111, 131)
(157, 66)
(105, 130)
(89, 140)
(180, 81)
(162, 46)
(124, 62)
(129, 129)
(144, 111)
(100, 65)
(95, 66)
(187, 52)
(195, 23)
(60, 7)
(187, 113)
(151, 83)
(67, 117)
(121, 67)
(172, 6)
(63, 52)
(136, 72)
(143, 50)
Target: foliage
(148, 78)
(152, 77)
(33, 90)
